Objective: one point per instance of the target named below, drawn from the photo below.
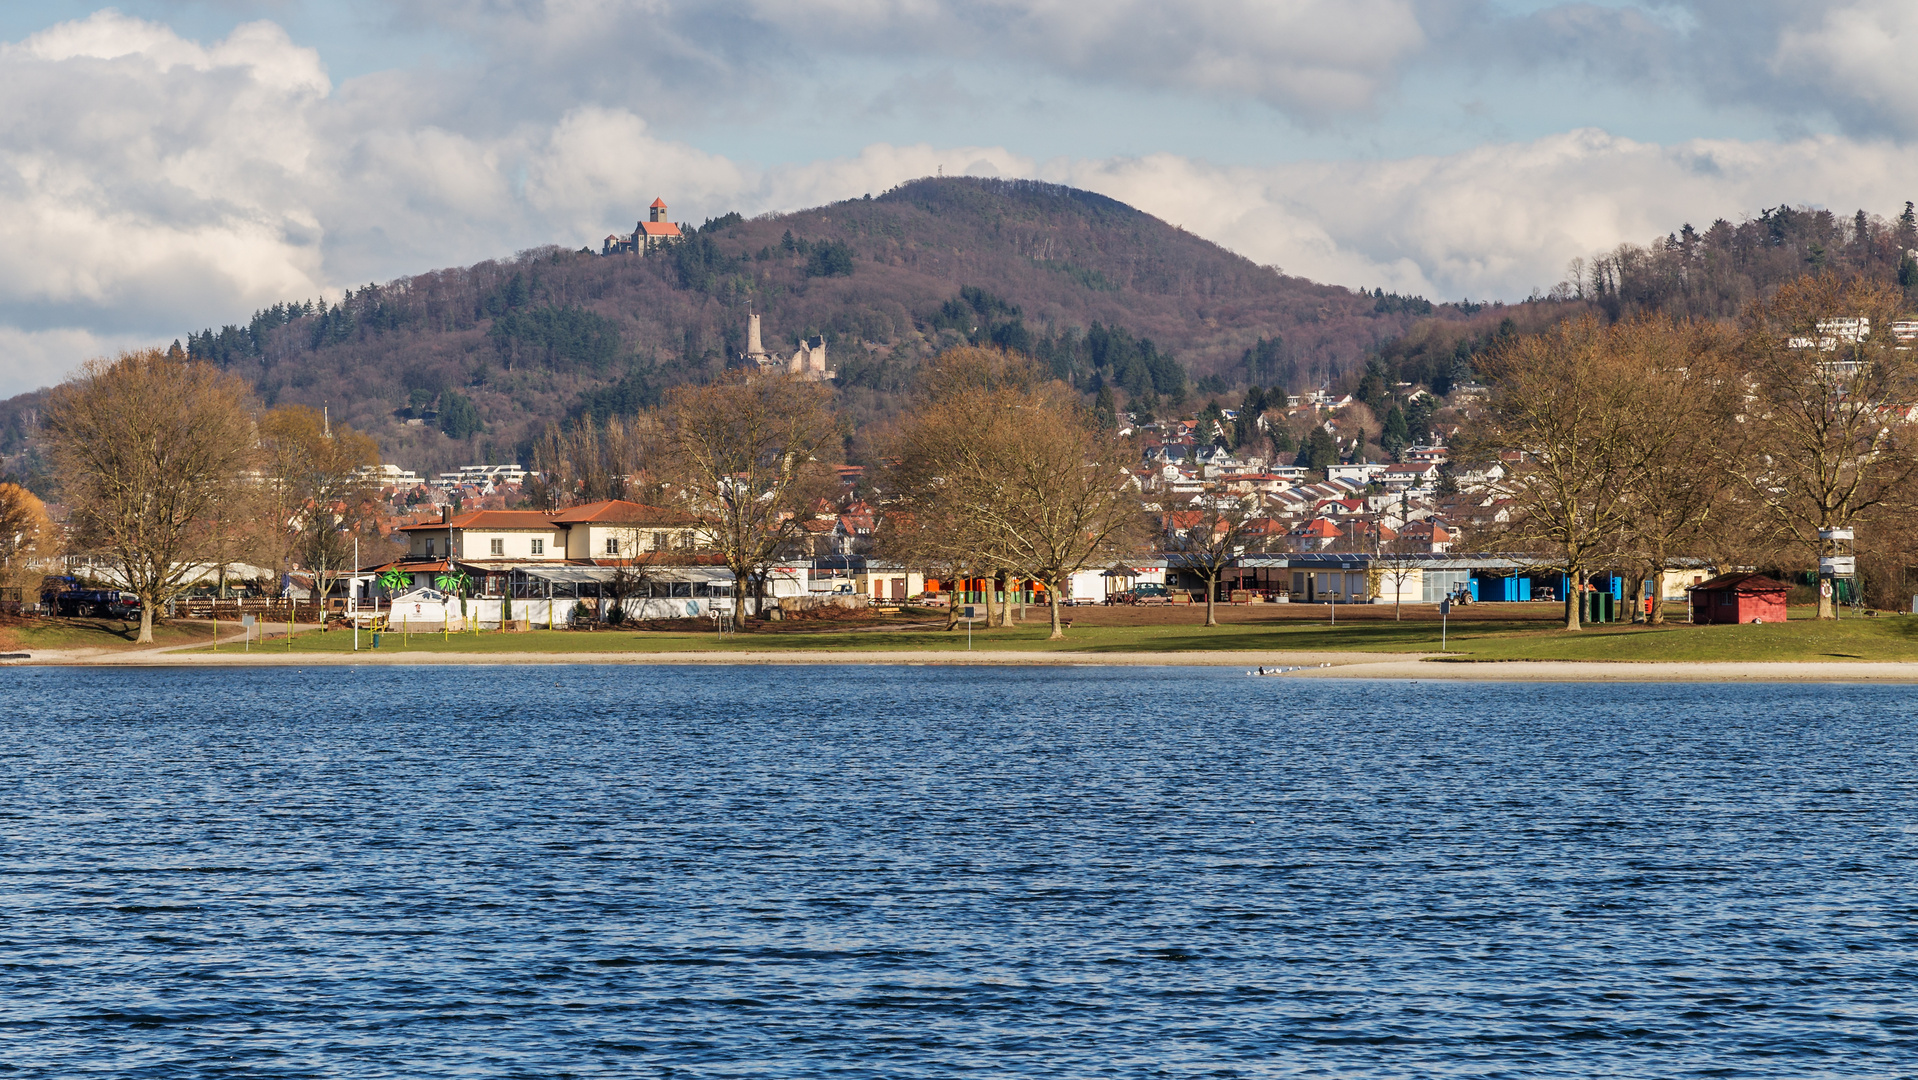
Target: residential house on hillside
(1427, 535)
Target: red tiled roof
(487, 519)
(658, 204)
(620, 512)
(659, 228)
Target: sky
(168, 165)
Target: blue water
(925, 872)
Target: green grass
(1882, 638)
(1802, 639)
(40, 635)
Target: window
(539, 547)
(499, 546)
(429, 545)
(612, 545)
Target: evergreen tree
(1397, 435)
(1319, 452)
(458, 416)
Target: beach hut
(1739, 598)
(422, 611)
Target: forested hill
(1105, 293)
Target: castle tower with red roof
(647, 236)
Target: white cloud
(1500, 220)
(1857, 57)
(32, 359)
(150, 184)
(1312, 58)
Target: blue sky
(171, 164)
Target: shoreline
(1408, 667)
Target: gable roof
(487, 519)
(1744, 583)
(620, 512)
(658, 228)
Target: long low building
(1364, 577)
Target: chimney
(446, 513)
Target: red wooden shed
(1739, 598)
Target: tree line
(1746, 442)
(997, 471)
(170, 465)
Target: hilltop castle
(809, 360)
(647, 236)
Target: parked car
(1145, 594)
(95, 603)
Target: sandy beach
(1297, 665)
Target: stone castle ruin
(809, 360)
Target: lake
(815, 871)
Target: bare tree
(1040, 485)
(924, 533)
(746, 453)
(1051, 494)
(639, 553)
(929, 523)
(591, 462)
(1679, 497)
(1825, 436)
(149, 448)
(1564, 400)
(1396, 559)
(1210, 538)
(316, 481)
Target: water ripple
(799, 872)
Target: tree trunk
(989, 595)
(1657, 616)
(1827, 605)
(1002, 581)
(1212, 600)
(1574, 590)
(952, 606)
(1058, 628)
(146, 622)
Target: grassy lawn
(1882, 638)
(38, 635)
(1481, 632)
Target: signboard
(968, 612)
(1445, 606)
(246, 620)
